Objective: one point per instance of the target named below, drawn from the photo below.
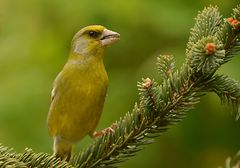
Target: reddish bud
(210, 48)
(147, 83)
(229, 20)
(234, 22)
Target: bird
(79, 90)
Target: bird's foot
(105, 131)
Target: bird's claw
(105, 131)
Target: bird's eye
(93, 34)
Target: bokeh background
(34, 43)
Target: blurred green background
(34, 43)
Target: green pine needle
(228, 91)
(232, 162)
(208, 23)
(166, 66)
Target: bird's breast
(79, 100)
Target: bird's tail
(62, 148)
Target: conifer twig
(232, 162)
(213, 42)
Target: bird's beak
(109, 37)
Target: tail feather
(62, 148)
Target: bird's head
(92, 40)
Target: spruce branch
(166, 66)
(213, 41)
(28, 158)
(32, 159)
(6, 162)
(232, 162)
(228, 91)
(231, 34)
(208, 23)
(166, 104)
(7, 158)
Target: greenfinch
(79, 90)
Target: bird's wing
(53, 93)
(52, 117)
(55, 86)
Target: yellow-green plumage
(79, 90)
